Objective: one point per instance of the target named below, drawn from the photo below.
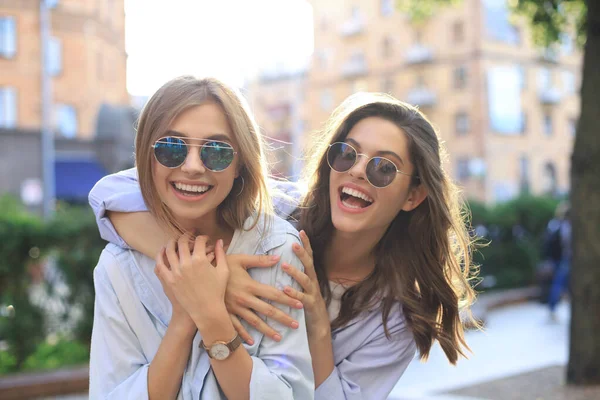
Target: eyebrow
(380, 153)
(217, 136)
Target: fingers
(296, 294)
(172, 257)
(247, 261)
(306, 260)
(299, 277)
(161, 270)
(200, 246)
(270, 293)
(260, 325)
(183, 249)
(272, 312)
(237, 325)
(306, 243)
(220, 255)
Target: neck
(350, 257)
(209, 225)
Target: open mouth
(190, 190)
(355, 199)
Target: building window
(462, 169)
(544, 79)
(326, 100)
(8, 37)
(550, 182)
(524, 174)
(548, 125)
(387, 47)
(386, 7)
(568, 79)
(54, 56)
(497, 22)
(504, 100)
(8, 107)
(460, 77)
(458, 32)
(387, 86)
(66, 120)
(461, 123)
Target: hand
(179, 317)
(243, 297)
(196, 284)
(315, 309)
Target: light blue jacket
(367, 364)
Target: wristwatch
(222, 350)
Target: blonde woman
(161, 329)
(387, 274)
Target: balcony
(550, 96)
(422, 97)
(419, 54)
(356, 66)
(352, 27)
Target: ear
(415, 197)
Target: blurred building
(87, 64)
(506, 109)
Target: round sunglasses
(171, 152)
(380, 171)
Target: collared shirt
(368, 364)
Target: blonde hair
(249, 194)
(424, 258)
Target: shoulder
(272, 232)
(112, 259)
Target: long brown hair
(250, 194)
(424, 258)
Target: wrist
(214, 320)
(184, 328)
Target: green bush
(56, 355)
(515, 230)
(72, 240)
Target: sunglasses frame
(184, 140)
(368, 161)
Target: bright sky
(229, 39)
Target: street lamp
(46, 100)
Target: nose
(359, 169)
(193, 164)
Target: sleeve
(116, 192)
(286, 197)
(372, 371)
(283, 370)
(118, 367)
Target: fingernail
(287, 289)
(250, 342)
(274, 258)
(299, 305)
(277, 338)
(296, 246)
(294, 325)
(285, 267)
(220, 243)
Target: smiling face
(358, 206)
(191, 191)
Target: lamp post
(46, 101)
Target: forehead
(378, 134)
(203, 121)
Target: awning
(75, 178)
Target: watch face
(219, 351)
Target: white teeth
(192, 188)
(356, 193)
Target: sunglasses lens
(217, 156)
(170, 151)
(381, 172)
(341, 157)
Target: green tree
(550, 18)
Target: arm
(119, 367)
(372, 371)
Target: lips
(353, 197)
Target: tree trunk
(584, 357)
